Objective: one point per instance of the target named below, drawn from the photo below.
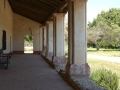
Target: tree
(104, 31)
(29, 38)
(109, 17)
(97, 33)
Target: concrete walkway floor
(31, 72)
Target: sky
(94, 7)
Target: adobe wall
(6, 23)
(23, 26)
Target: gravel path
(107, 58)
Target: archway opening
(28, 44)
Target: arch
(26, 30)
(28, 44)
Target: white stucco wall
(6, 23)
(23, 26)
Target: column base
(79, 82)
(80, 70)
(68, 69)
(59, 62)
(43, 53)
(59, 59)
(49, 55)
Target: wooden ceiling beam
(45, 3)
(52, 2)
(36, 20)
(24, 7)
(29, 13)
(57, 10)
(38, 10)
(30, 16)
(34, 5)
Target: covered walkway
(44, 21)
(31, 72)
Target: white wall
(6, 23)
(23, 26)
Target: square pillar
(58, 40)
(44, 41)
(77, 41)
(40, 38)
(49, 52)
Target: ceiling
(38, 10)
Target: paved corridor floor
(31, 72)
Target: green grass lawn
(95, 64)
(104, 52)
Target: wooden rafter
(37, 10)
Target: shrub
(105, 78)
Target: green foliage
(99, 34)
(111, 16)
(28, 38)
(105, 78)
(105, 29)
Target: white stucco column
(77, 42)
(40, 38)
(44, 40)
(58, 35)
(49, 52)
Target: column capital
(77, 0)
(44, 26)
(40, 26)
(58, 14)
(49, 22)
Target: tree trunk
(97, 47)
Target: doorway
(28, 44)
